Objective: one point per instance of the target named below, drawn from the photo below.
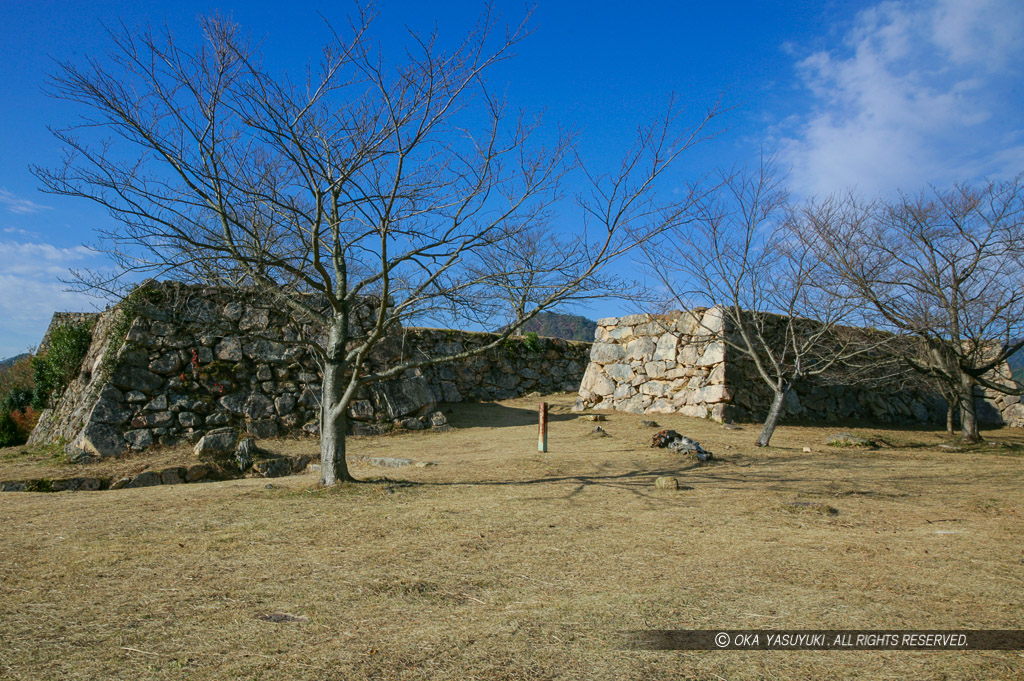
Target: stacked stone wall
(672, 364)
(174, 361)
(658, 364)
(516, 367)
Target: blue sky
(876, 97)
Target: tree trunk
(333, 466)
(773, 418)
(950, 417)
(968, 411)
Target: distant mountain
(567, 326)
(11, 361)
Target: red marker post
(542, 435)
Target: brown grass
(503, 563)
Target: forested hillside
(11, 361)
(555, 325)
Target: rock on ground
(217, 442)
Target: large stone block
(189, 419)
(716, 393)
(110, 412)
(697, 411)
(712, 323)
(602, 385)
(1013, 415)
(158, 403)
(146, 479)
(666, 348)
(641, 349)
(235, 402)
(218, 442)
(687, 354)
(128, 377)
(258, 406)
(714, 353)
(656, 388)
(361, 410)
(624, 391)
(157, 419)
(264, 350)
(166, 363)
(254, 319)
(284, 404)
(449, 392)
(621, 373)
(656, 369)
(229, 349)
(654, 327)
(139, 439)
(660, 406)
(589, 376)
(403, 397)
(635, 404)
(529, 373)
(607, 353)
(101, 439)
(262, 428)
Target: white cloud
(984, 32)
(19, 231)
(915, 95)
(20, 206)
(31, 290)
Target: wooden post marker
(542, 435)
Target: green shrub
(10, 434)
(17, 397)
(53, 370)
(520, 346)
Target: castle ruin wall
(171, 363)
(673, 364)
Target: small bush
(10, 434)
(532, 341)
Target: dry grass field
(503, 563)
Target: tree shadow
(495, 415)
(692, 475)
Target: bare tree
(944, 266)
(365, 180)
(521, 277)
(738, 254)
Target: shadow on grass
(722, 474)
(494, 415)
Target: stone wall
(517, 367)
(655, 364)
(672, 364)
(999, 408)
(64, 318)
(172, 361)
